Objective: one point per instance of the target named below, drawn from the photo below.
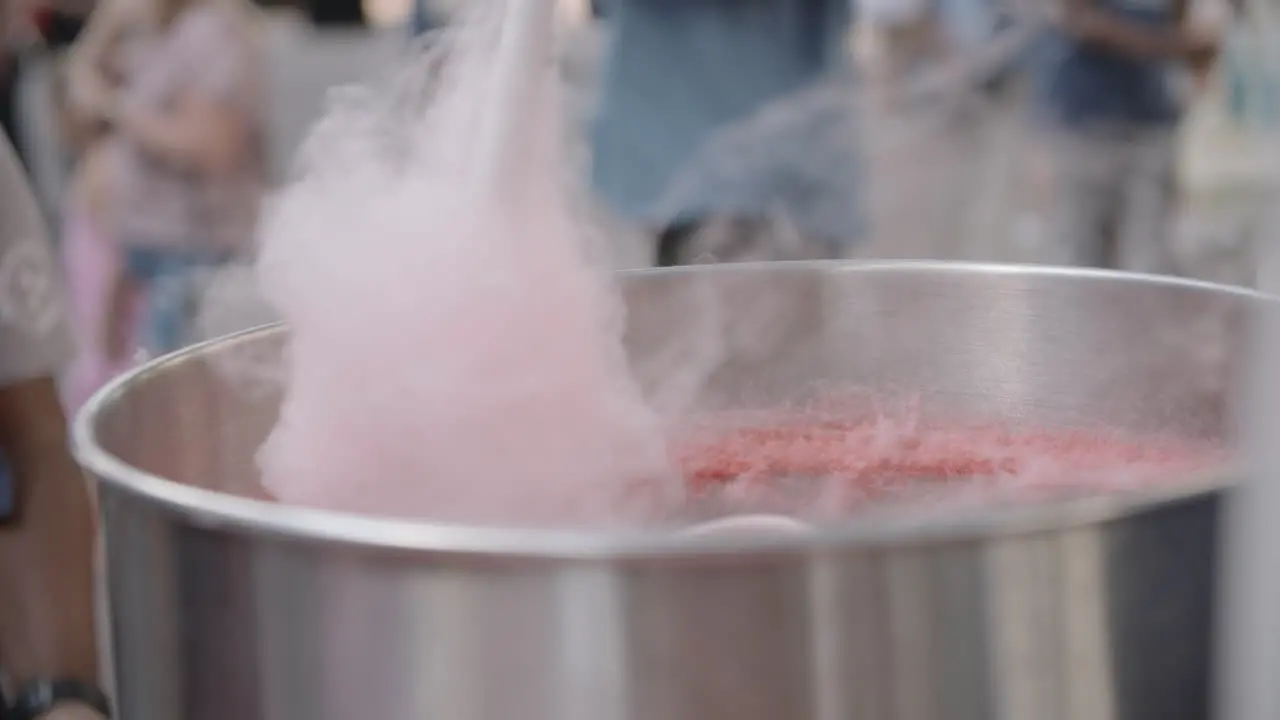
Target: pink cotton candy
(455, 356)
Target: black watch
(37, 698)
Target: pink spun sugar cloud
(454, 354)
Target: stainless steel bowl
(225, 605)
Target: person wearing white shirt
(47, 638)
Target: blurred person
(684, 86)
(185, 157)
(92, 259)
(1106, 83)
(47, 638)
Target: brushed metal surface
(227, 606)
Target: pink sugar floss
(455, 352)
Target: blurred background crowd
(1084, 132)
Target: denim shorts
(168, 280)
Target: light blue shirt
(685, 82)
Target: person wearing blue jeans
(730, 113)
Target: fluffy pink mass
(454, 355)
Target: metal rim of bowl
(214, 510)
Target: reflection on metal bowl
(225, 605)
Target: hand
(90, 97)
(1200, 50)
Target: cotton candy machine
(226, 605)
